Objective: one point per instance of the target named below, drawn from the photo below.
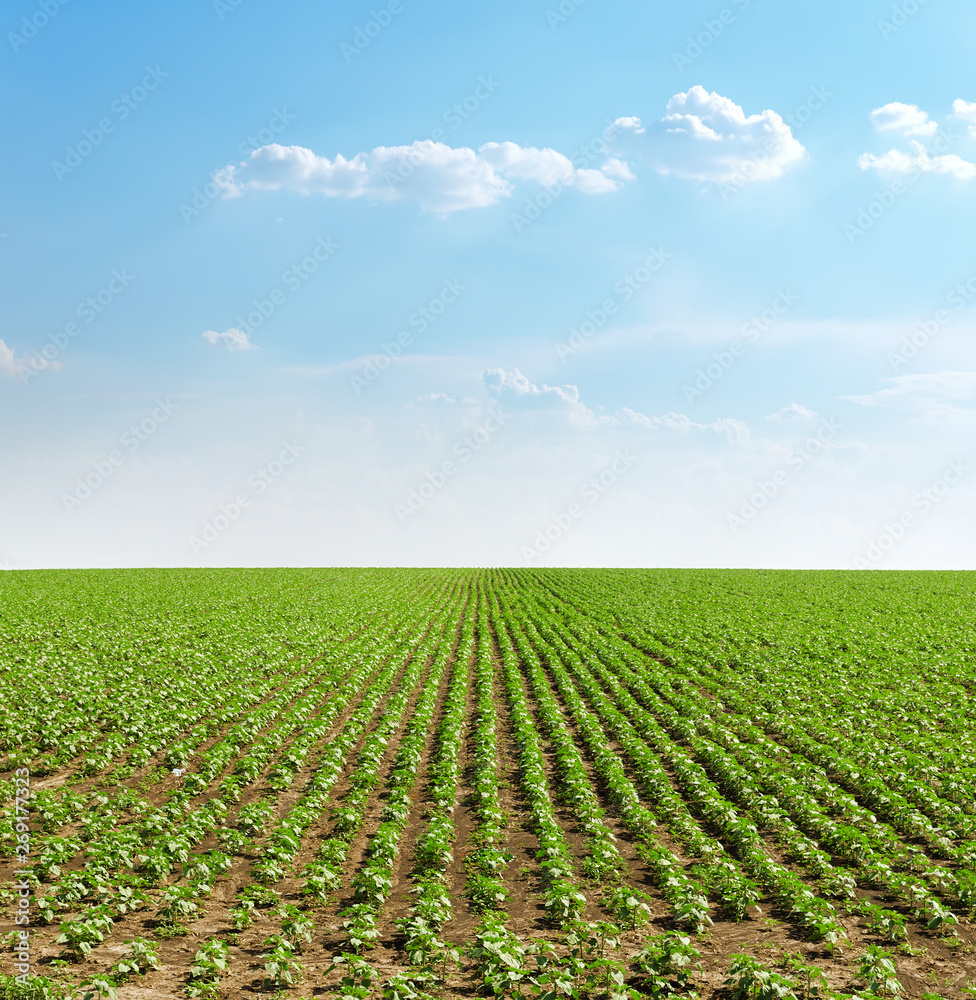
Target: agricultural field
(459, 783)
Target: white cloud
(925, 387)
(908, 119)
(617, 168)
(514, 383)
(441, 178)
(438, 398)
(795, 411)
(735, 431)
(965, 111)
(707, 137)
(11, 365)
(518, 392)
(914, 123)
(232, 339)
(630, 124)
(8, 364)
(919, 160)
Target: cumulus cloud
(941, 386)
(703, 136)
(231, 339)
(441, 178)
(706, 137)
(909, 119)
(919, 160)
(926, 153)
(965, 111)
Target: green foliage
(789, 739)
(503, 963)
(356, 976)
(280, 964)
(142, 957)
(749, 979)
(669, 960)
(31, 988)
(210, 961)
(629, 906)
(876, 969)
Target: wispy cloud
(231, 339)
(931, 386)
(793, 412)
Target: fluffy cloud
(965, 111)
(702, 136)
(232, 339)
(908, 119)
(441, 178)
(918, 161)
(706, 137)
(926, 146)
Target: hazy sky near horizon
(555, 283)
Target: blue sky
(525, 283)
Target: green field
(408, 783)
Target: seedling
(876, 969)
(142, 957)
(209, 962)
